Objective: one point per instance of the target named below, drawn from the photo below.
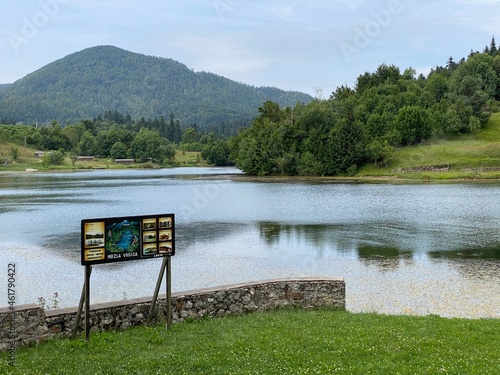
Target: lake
(410, 248)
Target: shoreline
(349, 180)
(242, 177)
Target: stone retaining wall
(30, 323)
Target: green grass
(189, 158)
(469, 156)
(24, 160)
(280, 342)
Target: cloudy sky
(305, 45)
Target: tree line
(117, 136)
(386, 109)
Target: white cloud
(294, 44)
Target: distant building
(39, 154)
(124, 161)
(84, 158)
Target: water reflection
(373, 240)
(401, 248)
(307, 241)
(385, 258)
(486, 271)
(476, 263)
(66, 245)
(473, 253)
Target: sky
(312, 46)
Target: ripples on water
(402, 249)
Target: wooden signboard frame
(116, 239)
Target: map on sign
(127, 238)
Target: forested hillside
(105, 78)
(386, 109)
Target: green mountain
(85, 84)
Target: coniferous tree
(493, 46)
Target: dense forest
(90, 82)
(117, 136)
(386, 109)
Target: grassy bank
(470, 156)
(278, 342)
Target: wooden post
(157, 290)
(80, 309)
(168, 302)
(87, 301)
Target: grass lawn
(189, 158)
(321, 341)
(469, 156)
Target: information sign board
(127, 238)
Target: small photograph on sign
(165, 248)
(149, 249)
(165, 235)
(94, 234)
(165, 222)
(149, 236)
(148, 224)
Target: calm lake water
(402, 248)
